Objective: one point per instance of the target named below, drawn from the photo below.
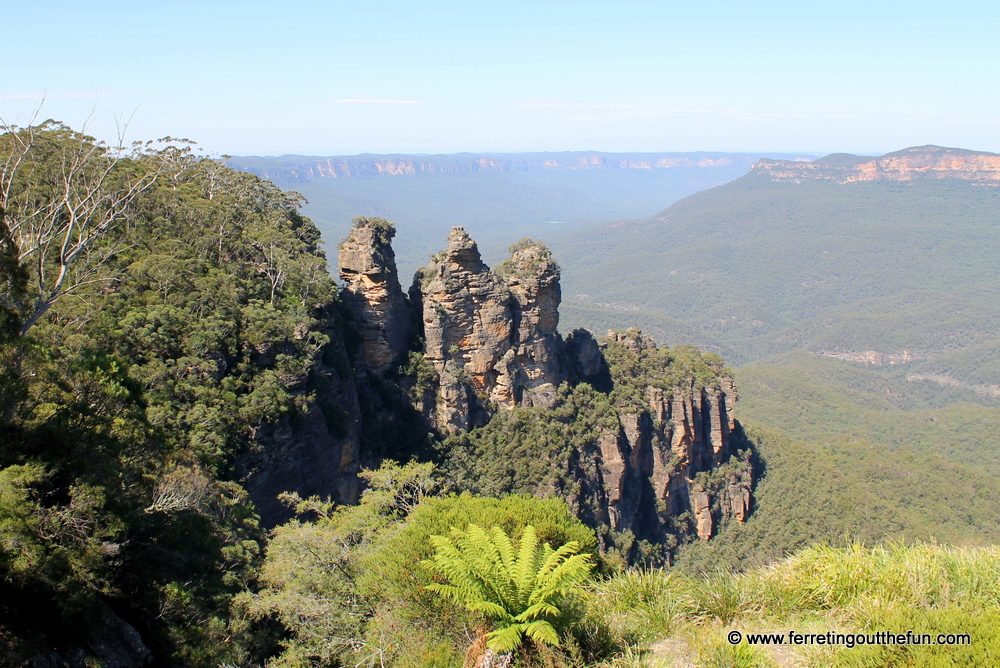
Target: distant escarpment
(920, 162)
(302, 167)
(640, 440)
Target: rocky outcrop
(920, 162)
(532, 278)
(584, 353)
(491, 336)
(468, 327)
(373, 294)
(491, 342)
(677, 443)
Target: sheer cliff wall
(490, 338)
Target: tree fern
(517, 587)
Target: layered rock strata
(667, 458)
(919, 162)
(373, 294)
(491, 336)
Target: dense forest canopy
(143, 285)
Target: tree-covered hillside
(864, 316)
(158, 310)
(761, 267)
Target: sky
(330, 77)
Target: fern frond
(516, 587)
(526, 562)
(541, 631)
(537, 610)
(505, 639)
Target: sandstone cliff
(491, 336)
(490, 343)
(673, 441)
(373, 294)
(921, 162)
(304, 168)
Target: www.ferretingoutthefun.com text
(849, 639)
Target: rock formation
(491, 336)
(533, 280)
(491, 343)
(467, 325)
(920, 162)
(373, 294)
(672, 447)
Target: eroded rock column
(532, 277)
(467, 327)
(373, 294)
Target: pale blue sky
(332, 77)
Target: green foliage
(773, 274)
(539, 451)
(980, 623)
(384, 230)
(640, 606)
(420, 374)
(923, 588)
(347, 584)
(822, 492)
(738, 656)
(528, 259)
(516, 587)
(216, 307)
(817, 398)
(637, 364)
(202, 318)
(313, 575)
(393, 569)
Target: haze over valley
(499, 198)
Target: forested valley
(212, 455)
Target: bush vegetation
(203, 315)
(924, 588)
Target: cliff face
(319, 451)
(366, 166)
(490, 336)
(373, 294)
(491, 342)
(668, 455)
(921, 162)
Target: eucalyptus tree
(65, 199)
